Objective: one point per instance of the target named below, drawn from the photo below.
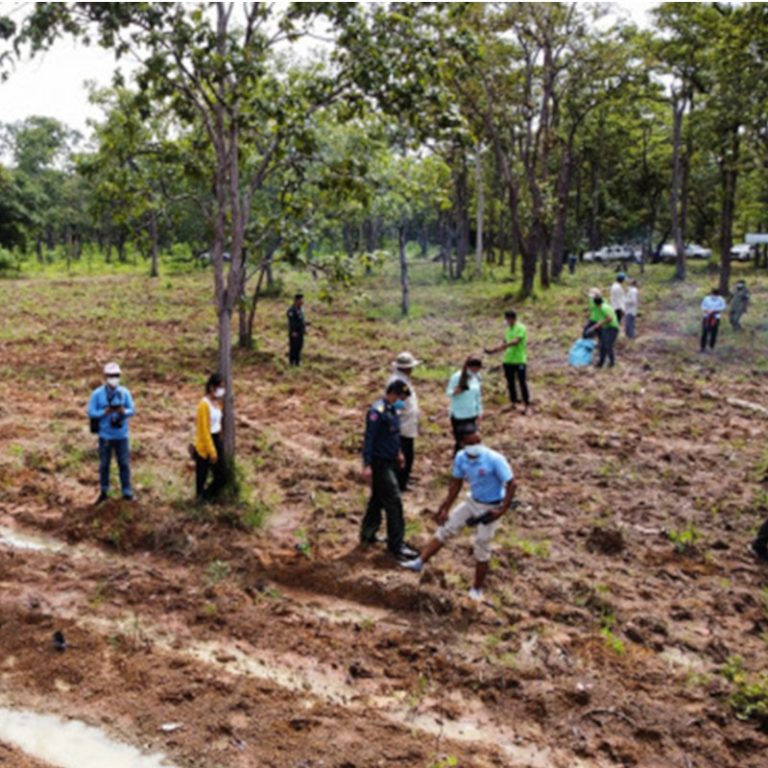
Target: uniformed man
(382, 456)
(296, 327)
(739, 304)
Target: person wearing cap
(409, 417)
(515, 348)
(491, 490)
(633, 300)
(739, 304)
(207, 448)
(618, 297)
(382, 456)
(110, 409)
(607, 327)
(592, 318)
(297, 325)
(466, 400)
(711, 307)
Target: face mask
(398, 405)
(113, 381)
(220, 392)
(473, 451)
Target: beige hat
(405, 360)
(594, 293)
(111, 369)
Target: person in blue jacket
(110, 408)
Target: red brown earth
(598, 644)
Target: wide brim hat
(405, 360)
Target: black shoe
(760, 553)
(102, 498)
(127, 497)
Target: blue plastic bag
(580, 353)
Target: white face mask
(473, 451)
(220, 392)
(113, 381)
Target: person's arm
(509, 494)
(95, 411)
(128, 409)
(372, 424)
(203, 438)
(445, 507)
(504, 345)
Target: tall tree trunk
(154, 271)
(405, 304)
(480, 197)
(678, 108)
(461, 209)
(728, 178)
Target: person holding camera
(491, 490)
(109, 409)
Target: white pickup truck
(611, 253)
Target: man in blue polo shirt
(492, 487)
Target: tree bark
(480, 198)
(728, 178)
(405, 304)
(154, 270)
(678, 108)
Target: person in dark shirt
(296, 327)
(382, 455)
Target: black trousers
(608, 338)
(460, 428)
(709, 327)
(619, 315)
(760, 543)
(295, 343)
(385, 494)
(203, 467)
(404, 472)
(517, 371)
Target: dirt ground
(619, 589)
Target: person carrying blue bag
(109, 409)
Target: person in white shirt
(633, 296)
(711, 307)
(409, 416)
(618, 297)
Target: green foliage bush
(749, 700)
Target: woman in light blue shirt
(466, 401)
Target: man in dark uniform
(296, 327)
(381, 457)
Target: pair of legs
(629, 326)
(735, 320)
(709, 328)
(457, 519)
(203, 466)
(460, 428)
(295, 343)
(404, 472)
(760, 544)
(385, 494)
(517, 371)
(608, 338)
(123, 456)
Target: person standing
(491, 490)
(571, 262)
(110, 408)
(608, 328)
(711, 307)
(209, 456)
(633, 299)
(409, 416)
(466, 400)
(297, 325)
(739, 304)
(618, 297)
(381, 457)
(515, 360)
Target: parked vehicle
(742, 252)
(611, 253)
(668, 252)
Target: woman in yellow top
(208, 448)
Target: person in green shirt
(515, 348)
(608, 328)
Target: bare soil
(604, 628)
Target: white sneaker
(413, 565)
(475, 594)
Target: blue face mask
(398, 405)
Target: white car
(611, 253)
(742, 252)
(668, 252)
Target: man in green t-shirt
(515, 348)
(607, 325)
